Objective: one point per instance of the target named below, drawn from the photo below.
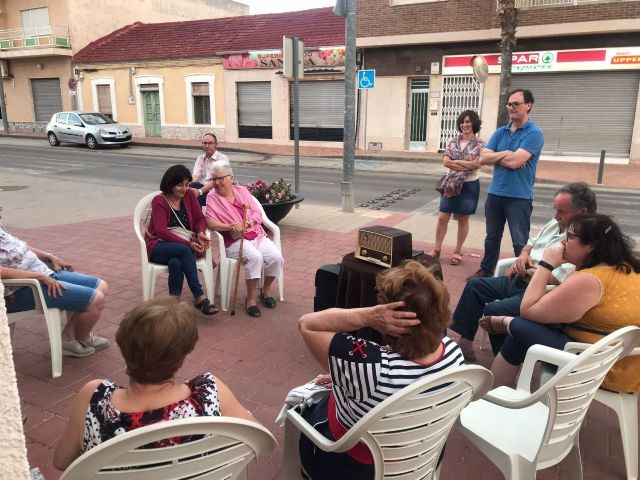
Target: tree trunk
(508, 14)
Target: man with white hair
(202, 170)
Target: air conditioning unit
(4, 69)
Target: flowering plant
(278, 192)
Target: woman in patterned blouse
(462, 157)
(154, 338)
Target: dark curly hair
(175, 175)
(476, 123)
(423, 294)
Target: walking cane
(234, 297)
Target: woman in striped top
(412, 314)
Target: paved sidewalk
(260, 359)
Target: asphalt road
(410, 190)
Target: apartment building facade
(39, 37)
(581, 59)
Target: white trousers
(255, 255)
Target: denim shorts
(465, 203)
(78, 293)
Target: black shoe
(268, 302)
(480, 274)
(254, 311)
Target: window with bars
(104, 100)
(201, 103)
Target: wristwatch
(200, 191)
(546, 265)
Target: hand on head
(388, 320)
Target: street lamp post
(347, 9)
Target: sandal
(456, 258)
(493, 325)
(253, 311)
(268, 302)
(206, 307)
(434, 253)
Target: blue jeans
(78, 293)
(497, 211)
(182, 263)
(525, 333)
(202, 199)
(487, 296)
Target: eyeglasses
(514, 104)
(208, 143)
(219, 179)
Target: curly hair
(175, 175)
(155, 337)
(423, 294)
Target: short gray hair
(222, 166)
(581, 196)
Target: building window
(104, 100)
(201, 103)
(35, 22)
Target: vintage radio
(383, 246)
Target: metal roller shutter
(47, 98)
(254, 110)
(582, 113)
(321, 110)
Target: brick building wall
(378, 18)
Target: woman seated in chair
(224, 214)
(154, 338)
(413, 314)
(175, 236)
(81, 295)
(600, 297)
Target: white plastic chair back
(573, 387)
(52, 317)
(141, 217)
(228, 445)
(227, 265)
(406, 432)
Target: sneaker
(98, 343)
(479, 274)
(76, 348)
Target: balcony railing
(35, 37)
(557, 3)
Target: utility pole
(3, 106)
(347, 9)
(508, 14)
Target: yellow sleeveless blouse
(619, 306)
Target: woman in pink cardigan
(224, 214)
(173, 212)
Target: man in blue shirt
(514, 150)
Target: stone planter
(277, 211)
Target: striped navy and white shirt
(364, 373)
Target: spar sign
(627, 58)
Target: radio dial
(385, 258)
(364, 251)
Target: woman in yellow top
(601, 296)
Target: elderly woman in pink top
(224, 214)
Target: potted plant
(276, 198)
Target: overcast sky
(273, 6)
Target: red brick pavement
(260, 359)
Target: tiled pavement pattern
(260, 359)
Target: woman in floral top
(154, 338)
(462, 157)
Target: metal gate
(459, 93)
(321, 110)
(418, 113)
(47, 98)
(254, 110)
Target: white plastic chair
(522, 431)
(228, 445)
(151, 270)
(52, 317)
(405, 433)
(227, 265)
(626, 407)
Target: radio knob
(364, 251)
(385, 258)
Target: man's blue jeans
(497, 211)
(182, 263)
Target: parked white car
(91, 128)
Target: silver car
(93, 129)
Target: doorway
(418, 99)
(151, 102)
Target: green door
(152, 114)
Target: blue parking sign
(366, 79)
